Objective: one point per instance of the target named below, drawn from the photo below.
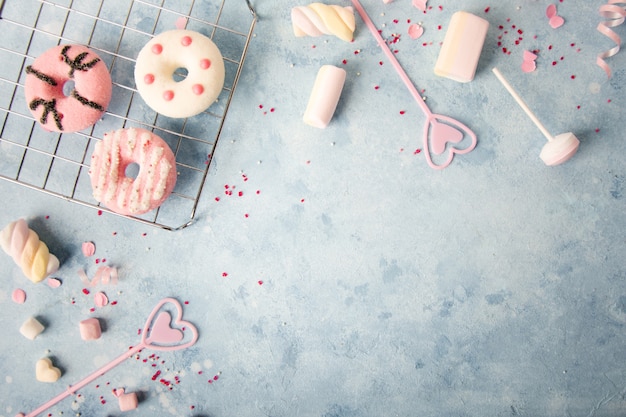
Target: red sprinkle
(168, 95)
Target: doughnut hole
(68, 87)
(180, 74)
(132, 170)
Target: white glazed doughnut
(162, 56)
(154, 182)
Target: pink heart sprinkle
(415, 31)
(18, 296)
(181, 22)
(529, 56)
(529, 66)
(420, 4)
(53, 282)
(88, 248)
(101, 299)
(556, 22)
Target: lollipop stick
(522, 104)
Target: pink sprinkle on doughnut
(157, 48)
(148, 79)
(168, 95)
(198, 89)
(205, 63)
(186, 40)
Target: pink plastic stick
(451, 131)
(396, 65)
(157, 334)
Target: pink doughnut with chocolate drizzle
(67, 88)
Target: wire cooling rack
(58, 163)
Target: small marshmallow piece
(128, 401)
(462, 46)
(31, 328)
(46, 372)
(90, 329)
(324, 96)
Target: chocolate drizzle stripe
(86, 102)
(77, 63)
(48, 107)
(40, 75)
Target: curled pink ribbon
(614, 11)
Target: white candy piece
(31, 328)
(46, 372)
(324, 96)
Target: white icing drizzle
(112, 170)
(164, 170)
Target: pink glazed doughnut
(154, 182)
(162, 56)
(85, 102)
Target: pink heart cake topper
(444, 135)
(159, 332)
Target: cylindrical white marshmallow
(324, 96)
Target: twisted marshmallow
(318, 19)
(28, 252)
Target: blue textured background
(495, 287)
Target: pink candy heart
(420, 4)
(529, 64)
(555, 20)
(415, 31)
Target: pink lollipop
(439, 130)
(559, 148)
(159, 333)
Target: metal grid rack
(58, 163)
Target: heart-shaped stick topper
(160, 333)
(440, 132)
(444, 134)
